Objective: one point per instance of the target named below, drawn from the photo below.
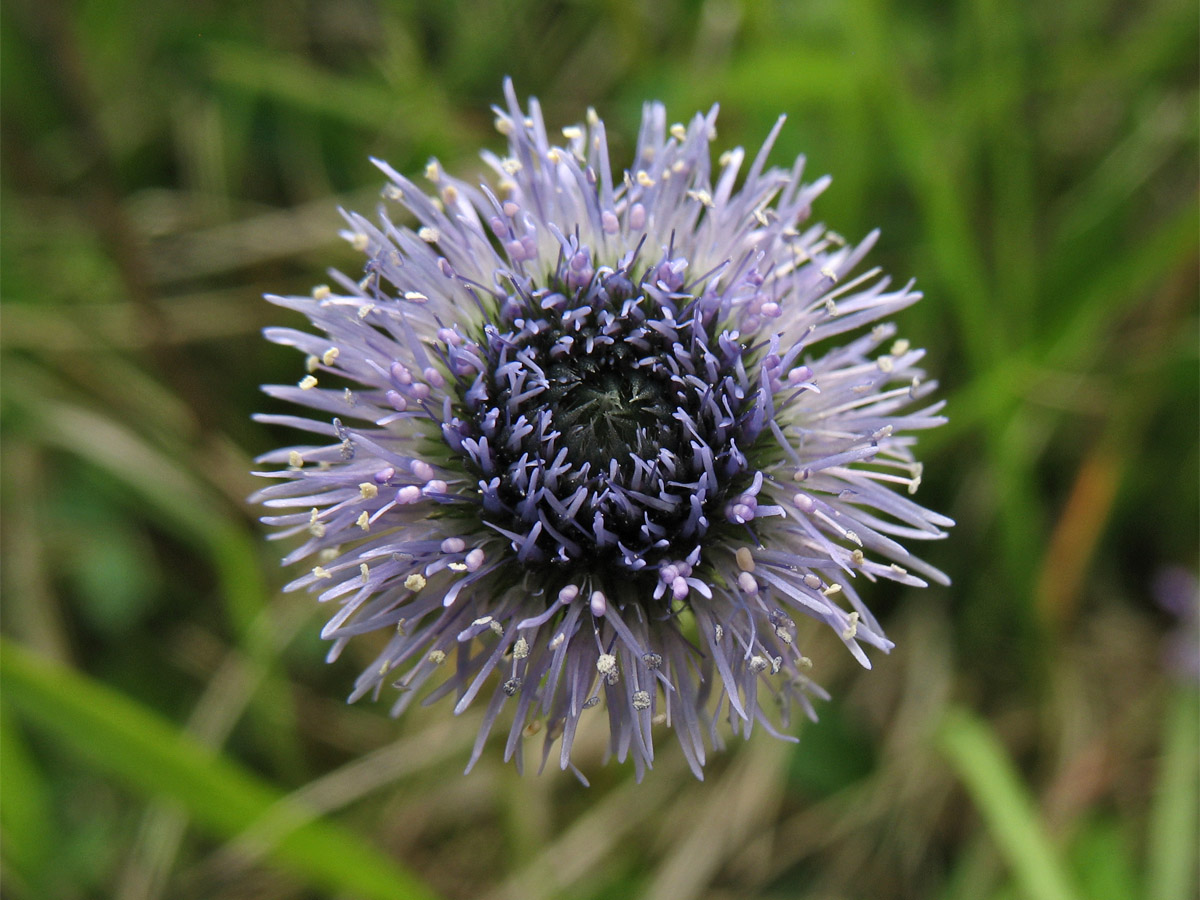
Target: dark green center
(605, 410)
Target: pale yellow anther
(321, 292)
(504, 125)
(678, 131)
(900, 347)
(415, 581)
(368, 490)
(851, 626)
(415, 297)
(852, 537)
(321, 572)
(363, 521)
(510, 166)
(885, 363)
(450, 195)
(606, 664)
(433, 171)
(330, 355)
(384, 666)
(428, 235)
(914, 484)
(899, 570)
(829, 273)
(391, 192)
(593, 118)
(704, 198)
(857, 557)
(497, 628)
(572, 133)
(329, 554)
(295, 460)
(365, 310)
(307, 383)
(832, 589)
(831, 307)
(311, 363)
(520, 649)
(315, 527)
(554, 155)
(365, 571)
(745, 559)
(644, 179)
(718, 633)
(359, 241)
(811, 581)
(457, 567)
(400, 626)
(804, 662)
(437, 657)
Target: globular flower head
(596, 441)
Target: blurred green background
(168, 727)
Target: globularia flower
(586, 440)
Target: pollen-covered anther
(321, 292)
(315, 527)
(295, 460)
(851, 628)
(857, 557)
(321, 572)
(758, 664)
(607, 664)
(363, 521)
(308, 382)
(832, 589)
(329, 357)
(512, 686)
(520, 649)
(415, 581)
(437, 657)
(641, 700)
(368, 490)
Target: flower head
(591, 440)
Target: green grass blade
(995, 787)
(124, 739)
(26, 820)
(1171, 867)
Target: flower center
(608, 408)
(606, 428)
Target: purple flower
(586, 440)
